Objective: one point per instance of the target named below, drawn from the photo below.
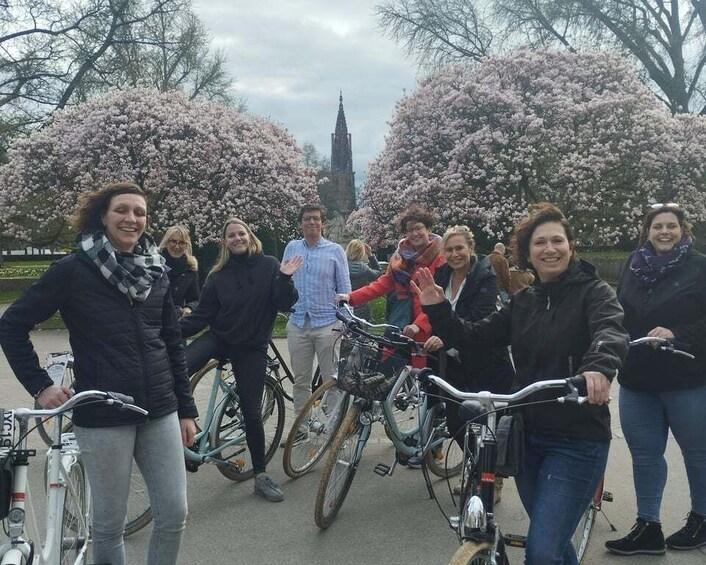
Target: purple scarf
(651, 268)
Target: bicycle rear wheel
(340, 469)
(74, 523)
(582, 535)
(474, 553)
(229, 425)
(314, 429)
(446, 459)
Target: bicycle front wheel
(340, 469)
(314, 429)
(582, 535)
(229, 428)
(74, 522)
(474, 553)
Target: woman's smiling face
(665, 232)
(549, 250)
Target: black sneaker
(644, 538)
(691, 536)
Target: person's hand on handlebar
(429, 292)
(659, 331)
(342, 298)
(434, 343)
(597, 387)
(411, 330)
(54, 396)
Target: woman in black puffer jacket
(183, 269)
(239, 303)
(113, 294)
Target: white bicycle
(68, 507)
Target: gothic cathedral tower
(339, 195)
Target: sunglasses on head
(659, 205)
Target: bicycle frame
(203, 450)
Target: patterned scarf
(132, 273)
(405, 259)
(650, 268)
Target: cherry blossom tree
(477, 145)
(199, 162)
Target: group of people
(128, 305)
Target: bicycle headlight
(474, 517)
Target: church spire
(341, 126)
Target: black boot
(691, 536)
(645, 537)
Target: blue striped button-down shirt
(323, 274)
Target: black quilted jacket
(131, 348)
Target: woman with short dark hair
(113, 295)
(566, 324)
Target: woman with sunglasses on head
(567, 323)
(663, 292)
(183, 269)
(239, 303)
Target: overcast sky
(290, 58)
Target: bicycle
(60, 367)
(68, 507)
(220, 437)
(482, 541)
(374, 396)
(316, 425)
(661, 343)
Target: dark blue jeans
(560, 476)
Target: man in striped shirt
(310, 329)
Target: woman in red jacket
(419, 248)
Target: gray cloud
(291, 57)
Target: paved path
(384, 520)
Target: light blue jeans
(646, 418)
(108, 454)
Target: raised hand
(428, 291)
(290, 266)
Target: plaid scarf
(651, 268)
(405, 259)
(132, 273)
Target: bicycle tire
(446, 460)
(229, 424)
(475, 553)
(582, 534)
(74, 520)
(45, 425)
(405, 407)
(334, 486)
(205, 376)
(300, 455)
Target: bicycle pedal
(514, 540)
(384, 470)
(607, 496)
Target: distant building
(338, 194)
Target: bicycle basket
(360, 370)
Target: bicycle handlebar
(576, 386)
(345, 314)
(665, 345)
(111, 398)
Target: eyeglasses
(416, 229)
(659, 205)
(311, 219)
(175, 243)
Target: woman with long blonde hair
(239, 303)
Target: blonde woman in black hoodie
(239, 303)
